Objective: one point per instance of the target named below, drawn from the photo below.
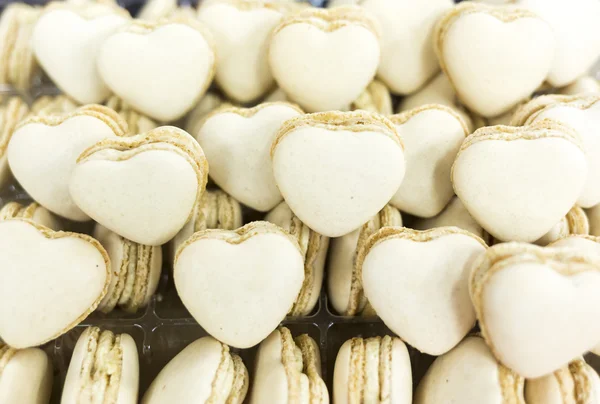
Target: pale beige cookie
(33, 212)
(11, 113)
(215, 210)
(135, 271)
(154, 180)
(239, 285)
(104, 368)
(288, 370)
(523, 293)
(314, 247)
(154, 10)
(425, 276)
(472, 37)
(575, 222)
(583, 85)
(52, 105)
(375, 98)
(324, 58)
(51, 281)
(344, 283)
(497, 167)
(205, 370)
(43, 151)
(136, 122)
(25, 375)
(195, 118)
(470, 374)
(367, 369)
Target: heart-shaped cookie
(237, 143)
(148, 64)
(418, 283)
(433, 135)
(472, 38)
(51, 281)
(142, 187)
(407, 56)
(324, 59)
(575, 25)
(43, 151)
(242, 31)
(575, 222)
(66, 41)
(239, 284)
(469, 374)
(582, 113)
(523, 294)
(498, 167)
(336, 170)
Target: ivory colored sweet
(66, 41)
(336, 170)
(469, 374)
(136, 122)
(237, 143)
(367, 369)
(344, 285)
(104, 369)
(575, 222)
(206, 105)
(324, 58)
(576, 383)
(33, 212)
(375, 98)
(215, 210)
(205, 371)
(418, 283)
(242, 31)
(43, 152)
(432, 135)
(581, 86)
(582, 113)
(240, 284)
(51, 281)
(148, 65)
(154, 10)
(314, 247)
(25, 375)
(407, 56)
(10, 116)
(153, 180)
(472, 38)
(288, 370)
(497, 167)
(523, 293)
(577, 36)
(52, 105)
(593, 215)
(135, 271)
(455, 214)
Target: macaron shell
(556, 388)
(401, 382)
(130, 372)
(455, 214)
(27, 378)
(188, 377)
(44, 267)
(44, 217)
(270, 383)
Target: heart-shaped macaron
(433, 135)
(237, 143)
(51, 281)
(575, 25)
(498, 167)
(574, 223)
(582, 113)
(43, 151)
(239, 284)
(148, 65)
(469, 374)
(470, 40)
(455, 214)
(66, 41)
(407, 56)
(242, 31)
(336, 170)
(418, 283)
(142, 187)
(324, 59)
(523, 294)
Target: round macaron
(25, 375)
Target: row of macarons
(89, 49)
(104, 367)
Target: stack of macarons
(254, 145)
